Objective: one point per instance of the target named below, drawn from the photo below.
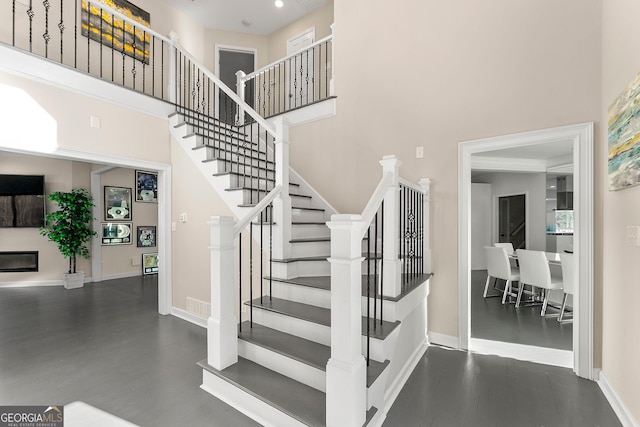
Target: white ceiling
(538, 152)
(264, 17)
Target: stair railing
(390, 268)
(297, 80)
(223, 325)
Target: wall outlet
(633, 235)
(95, 122)
(183, 217)
(419, 152)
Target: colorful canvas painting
(624, 138)
(102, 26)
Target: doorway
(300, 90)
(230, 60)
(580, 137)
(512, 220)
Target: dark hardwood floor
(491, 320)
(106, 345)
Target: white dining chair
(498, 267)
(534, 271)
(508, 247)
(566, 262)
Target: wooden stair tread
(300, 349)
(314, 314)
(289, 396)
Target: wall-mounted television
(22, 201)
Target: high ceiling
(262, 16)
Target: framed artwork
(102, 26)
(117, 203)
(146, 236)
(624, 138)
(146, 187)
(150, 263)
(116, 233)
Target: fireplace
(13, 262)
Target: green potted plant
(70, 228)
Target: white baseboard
(625, 417)
(443, 340)
(31, 284)
(121, 275)
(191, 318)
(545, 356)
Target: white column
(346, 369)
(173, 73)
(392, 265)
(282, 204)
(240, 87)
(222, 326)
(425, 185)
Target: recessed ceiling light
(279, 3)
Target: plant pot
(73, 280)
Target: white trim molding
(581, 136)
(436, 338)
(31, 284)
(618, 406)
(528, 353)
(186, 316)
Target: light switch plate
(633, 235)
(419, 152)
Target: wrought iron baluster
(382, 263)
(46, 35)
(375, 271)
(30, 14)
(251, 273)
(270, 251)
(61, 28)
(368, 259)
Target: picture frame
(117, 203)
(150, 263)
(146, 236)
(146, 186)
(103, 27)
(116, 233)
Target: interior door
(230, 62)
(300, 70)
(512, 220)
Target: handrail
(242, 223)
(230, 93)
(411, 185)
(274, 63)
(376, 199)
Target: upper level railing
(298, 80)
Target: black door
(511, 220)
(230, 62)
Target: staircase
(284, 338)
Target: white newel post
(282, 204)
(240, 88)
(346, 402)
(222, 326)
(425, 185)
(392, 264)
(173, 73)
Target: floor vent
(199, 308)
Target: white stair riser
(290, 270)
(284, 365)
(375, 393)
(246, 403)
(303, 249)
(302, 202)
(301, 231)
(291, 325)
(307, 215)
(302, 294)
